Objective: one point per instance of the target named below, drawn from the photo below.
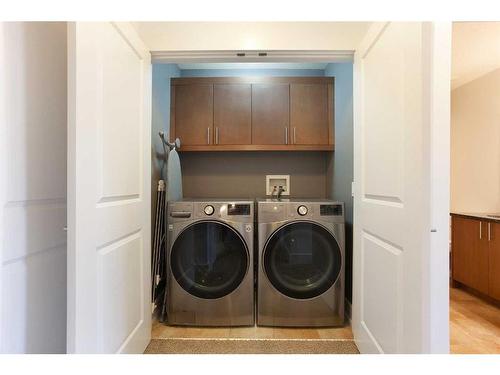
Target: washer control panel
(209, 210)
(302, 210)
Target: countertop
(478, 215)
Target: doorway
(475, 189)
(237, 174)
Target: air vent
(240, 54)
(263, 54)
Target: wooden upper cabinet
(494, 260)
(232, 114)
(270, 114)
(192, 114)
(253, 113)
(310, 113)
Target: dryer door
(302, 260)
(209, 259)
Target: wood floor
(474, 324)
(474, 328)
(164, 331)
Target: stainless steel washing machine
(301, 263)
(210, 277)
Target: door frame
(437, 55)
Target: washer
(210, 275)
(301, 263)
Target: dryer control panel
(237, 211)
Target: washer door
(209, 259)
(302, 260)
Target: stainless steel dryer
(301, 263)
(210, 278)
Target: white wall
(33, 197)
(475, 145)
(188, 36)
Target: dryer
(301, 263)
(210, 278)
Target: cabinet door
(481, 261)
(494, 261)
(192, 110)
(470, 253)
(309, 114)
(232, 114)
(270, 114)
(465, 240)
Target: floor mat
(250, 346)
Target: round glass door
(302, 260)
(209, 259)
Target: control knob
(209, 210)
(302, 210)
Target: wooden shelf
(257, 148)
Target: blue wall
(160, 116)
(340, 162)
(251, 72)
(343, 168)
(160, 121)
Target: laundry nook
(255, 231)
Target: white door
(109, 143)
(399, 102)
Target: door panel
(494, 260)
(270, 114)
(232, 114)
(108, 189)
(194, 114)
(309, 120)
(392, 209)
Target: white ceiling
(475, 51)
(320, 66)
(265, 36)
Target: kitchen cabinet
(309, 113)
(494, 260)
(270, 114)
(192, 114)
(253, 113)
(232, 114)
(475, 254)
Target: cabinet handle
(480, 230)
(294, 136)
(208, 136)
(217, 135)
(489, 231)
(286, 135)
